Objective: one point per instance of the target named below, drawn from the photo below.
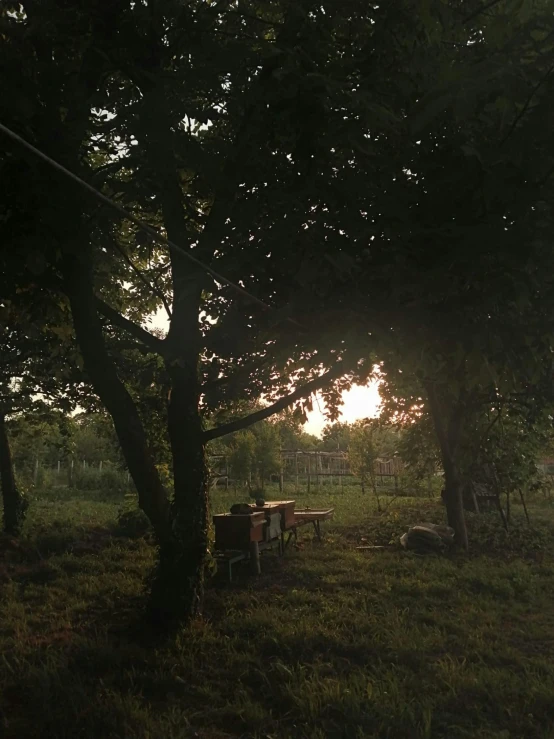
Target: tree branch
(490, 426)
(151, 286)
(279, 405)
(477, 12)
(145, 337)
(239, 376)
(525, 108)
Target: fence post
(71, 472)
(58, 467)
(35, 474)
(100, 466)
(317, 470)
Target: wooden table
(242, 536)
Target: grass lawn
(328, 642)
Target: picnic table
(245, 535)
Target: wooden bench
(302, 518)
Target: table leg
(255, 558)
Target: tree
(182, 113)
(504, 423)
(337, 436)
(370, 441)
(266, 451)
(418, 446)
(94, 439)
(242, 456)
(15, 504)
(31, 373)
(362, 454)
(281, 146)
(504, 444)
(451, 289)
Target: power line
(143, 226)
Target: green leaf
(538, 35)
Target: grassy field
(328, 642)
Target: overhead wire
(152, 232)
(160, 238)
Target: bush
(133, 523)
(412, 484)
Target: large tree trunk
(178, 587)
(182, 527)
(448, 427)
(15, 504)
(102, 373)
(453, 499)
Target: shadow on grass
(328, 642)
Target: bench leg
(292, 532)
(317, 529)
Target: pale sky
(359, 402)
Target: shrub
(47, 478)
(412, 484)
(133, 523)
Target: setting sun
(361, 401)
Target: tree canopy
(340, 183)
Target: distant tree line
(44, 437)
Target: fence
(317, 469)
(70, 473)
(298, 470)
